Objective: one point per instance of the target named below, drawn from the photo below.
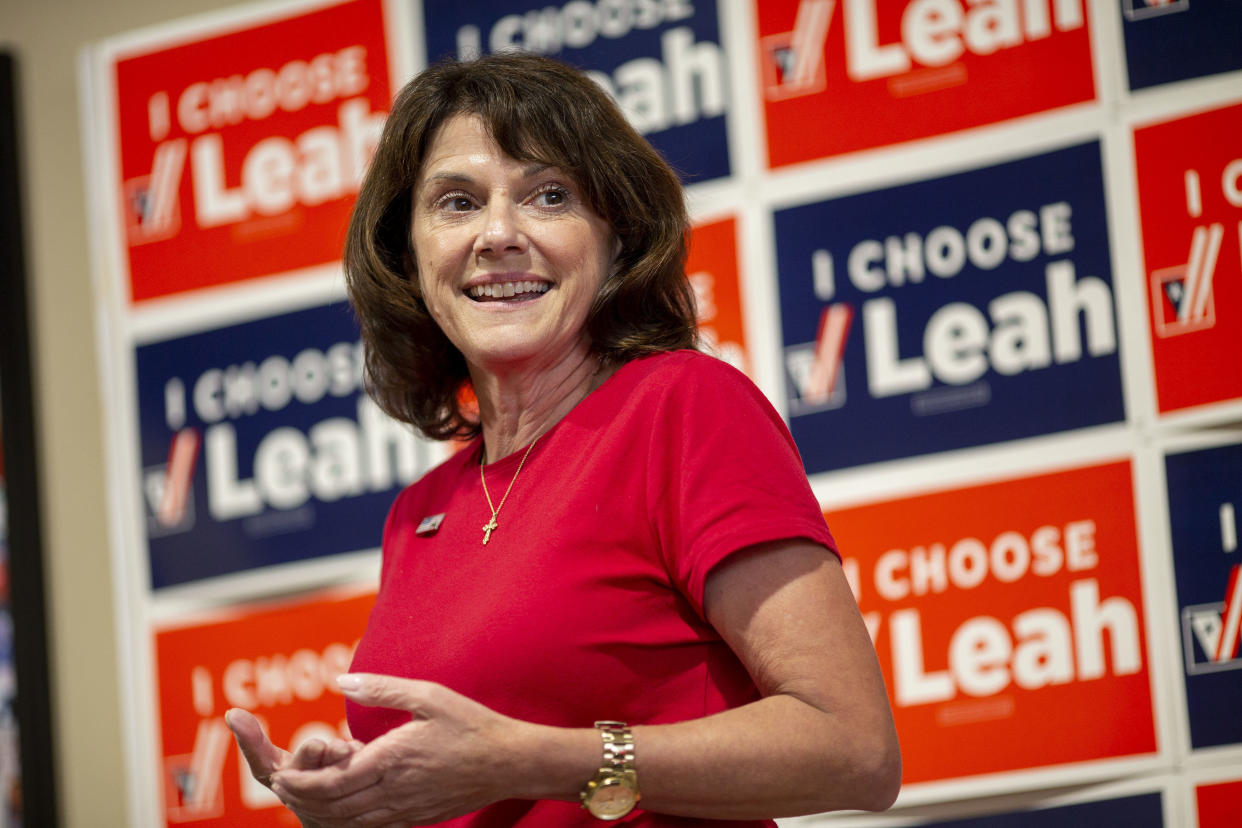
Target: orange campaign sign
(240, 154)
(1009, 621)
(1219, 804)
(1190, 202)
(847, 75)
(713, 272)
(280, 662)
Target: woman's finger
(338, 750)
(348, 809)
(375, 690)
(263, 757)
(309, 755)
(331, 782)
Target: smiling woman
(485, 226)
(642, 617)
(544, 118)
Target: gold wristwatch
(613, 792)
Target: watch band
(618, 745)
(613, 792)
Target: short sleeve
(724, 473)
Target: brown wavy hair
(541, 111)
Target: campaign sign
(953, 312)
(1009, 621)
(662, 60)
(240, 154)
(1140, 811)
(846, 75)
(1205, 496)
(259, 446)
(1189, 174)
(1219, 805)
(1173, 40)
(713, 273)
(280, 662)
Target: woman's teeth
(504, 290)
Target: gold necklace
(491, 525)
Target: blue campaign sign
(1205, 494)
(1140, 811)
(954, 312)
(662, 60)
(1173, 40)
(259, 447)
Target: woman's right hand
(264, 758)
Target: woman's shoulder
(695, 379)
(677, 385)
(677, 368)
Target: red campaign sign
(240, 154)
(713, 272)
(1008, 620)
(846, 75)
(1219, 804)
(1190, 205)
(280, 662)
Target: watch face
(613, 799)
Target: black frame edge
(32, 704)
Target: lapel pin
(429, 524)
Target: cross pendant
(487, 529)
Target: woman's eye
(554, 197)
(454, 203)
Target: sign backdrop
(280, 662)
(259, 446)
(1190, 200)
(1174, 40)
(1009, 621)
(240, 154)
(846, 75)
(662, 60)
(1205, 496)
(951, 312)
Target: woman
(628, 539)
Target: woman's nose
(500, 232)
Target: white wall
(45, 37)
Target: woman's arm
(822, 738)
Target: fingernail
(349, 681)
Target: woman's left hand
(447, 761)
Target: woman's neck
(518, 405)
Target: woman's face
(510, 256)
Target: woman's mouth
(501, 291)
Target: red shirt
(587, 602)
